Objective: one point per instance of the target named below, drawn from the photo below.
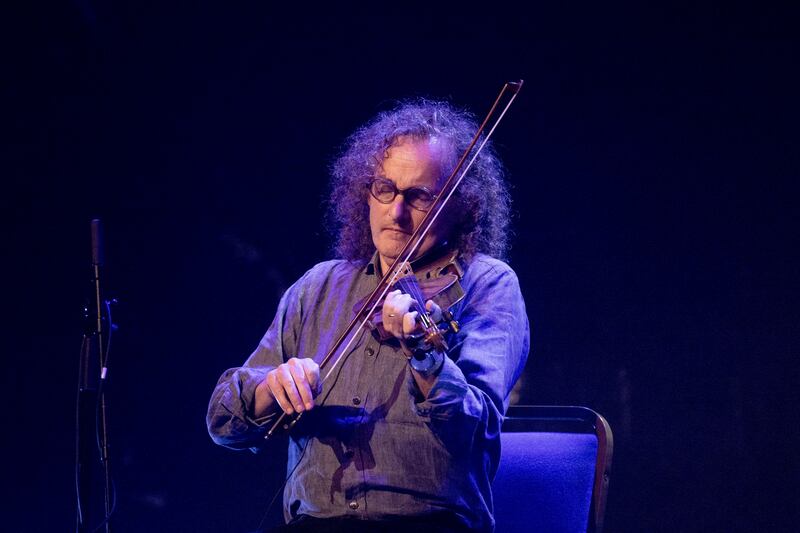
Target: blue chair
(554, 470)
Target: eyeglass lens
(385, 192)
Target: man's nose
(399, 208)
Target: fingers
(275, 380)
(409, 323)
(294, 384)
(311, 370)
(395, 311)
(399, 321)
(395, 305)
(434, 311)
(297, 370)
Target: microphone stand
(91, 421)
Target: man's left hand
(400, 320)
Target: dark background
(653, 155)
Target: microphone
(97, 244)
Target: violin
(436, 278)
(426, 350)
(400, 273)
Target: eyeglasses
(385, 191)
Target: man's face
(409, 163)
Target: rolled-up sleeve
(229, 417)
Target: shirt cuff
(241, 405)
(447, 395)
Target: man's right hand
(293, 385)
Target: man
(385, 442)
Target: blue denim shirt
(374, 447)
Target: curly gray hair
(482, 199)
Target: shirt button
(369, 351)
(353, 505)
(356, 400)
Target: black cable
(78, 435)
(98, 400)
(280, 489)
(113, 506)
(103, 370)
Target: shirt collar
(373, 267)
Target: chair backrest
(554, 470)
